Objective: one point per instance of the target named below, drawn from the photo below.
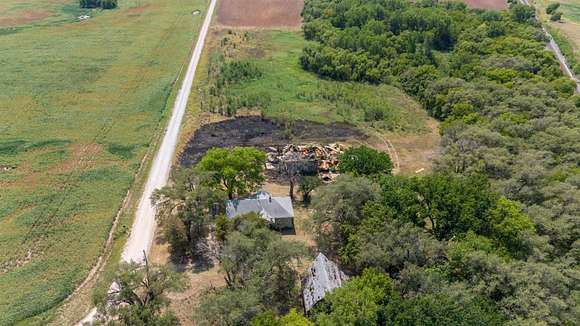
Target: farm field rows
(80, 103)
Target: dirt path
(143, 228)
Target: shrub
(103, 4)
(552, 7)
(364, 161)
(556, 16)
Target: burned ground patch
(260, 13)
(257, 132)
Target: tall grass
(281, 89)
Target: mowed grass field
(80, 102)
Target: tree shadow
(205, 254)
(287, 231)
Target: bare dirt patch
(487, 4)
(22, 17)
(415, 152)
(198, 282)
(260, 13)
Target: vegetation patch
(260, 71)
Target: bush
(521, 13)
(556, 16)
(552, 7)
(363, 160)
(103, 4)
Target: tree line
(498, 220)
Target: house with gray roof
(276, 210)
(322, 277)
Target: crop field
(260, 13)
(487, 4)
(80, 102)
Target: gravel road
(556, 49)
(143, 228)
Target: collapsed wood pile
(314, 159)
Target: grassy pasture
(79, 105)
(294, 94)
(571, 10)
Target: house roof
(321, 277)
(263, 204)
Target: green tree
(260, 271)
(238, 171)
(260, 258)
(293, 318)
(338, 210)
(268, 318)
(138, 296)
(228, 307)
(443, 309)
(358, 302)
(108, 4)
(307, 185)
(521, 13)
(556, 16)
(510, 225)
(190, 200)
(364, 161)
(390, 245)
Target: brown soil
(260, 13)
(414, 152)
(487, 4)
(24, 17)
(198, 283)
(254, 131)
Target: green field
(285, 91)
(80, 103)
(571, 10)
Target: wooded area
(489, 238)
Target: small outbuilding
(276, 210)
(320, 278)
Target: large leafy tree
(338, 209)
(238, 171)
(260, 273)
(359, 302)
(190, 200)
(138, 296)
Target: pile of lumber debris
(312, 159)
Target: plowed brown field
(487, 4)
(260, 13)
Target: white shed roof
(321, 277)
